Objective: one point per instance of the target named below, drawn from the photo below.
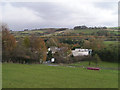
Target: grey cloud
(105, 5)
(56, 14)
(49, 10)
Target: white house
(81, 52)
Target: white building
(81, 52)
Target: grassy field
(30, 32)
(107, 43)
(88, 31)
(100, 64)
(43, 76)
(85, 31)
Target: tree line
(33, 49)
(85, 27)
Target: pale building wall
(80, 52)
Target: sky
(29, 14)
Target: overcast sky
(59, 13)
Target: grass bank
(43, 76)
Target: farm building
(81, 52)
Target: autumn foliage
(8, 43)
(30, 49)
(33, 49)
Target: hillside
(43, 76)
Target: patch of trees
(110, 54)
(25, 29)
(85, 27)
(8, 44)
(26, 50)
(52, 42)
(93, 43)
(80, 27)
(61, 29)
(106, 53)
(72, 41)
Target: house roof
(82, 50)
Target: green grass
(107, 43)
(85, 31)
(18, 33)
(43, 76)
(33, 31)
(115, 32)
(89, 31)
(100, 64)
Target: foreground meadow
(43, 76)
